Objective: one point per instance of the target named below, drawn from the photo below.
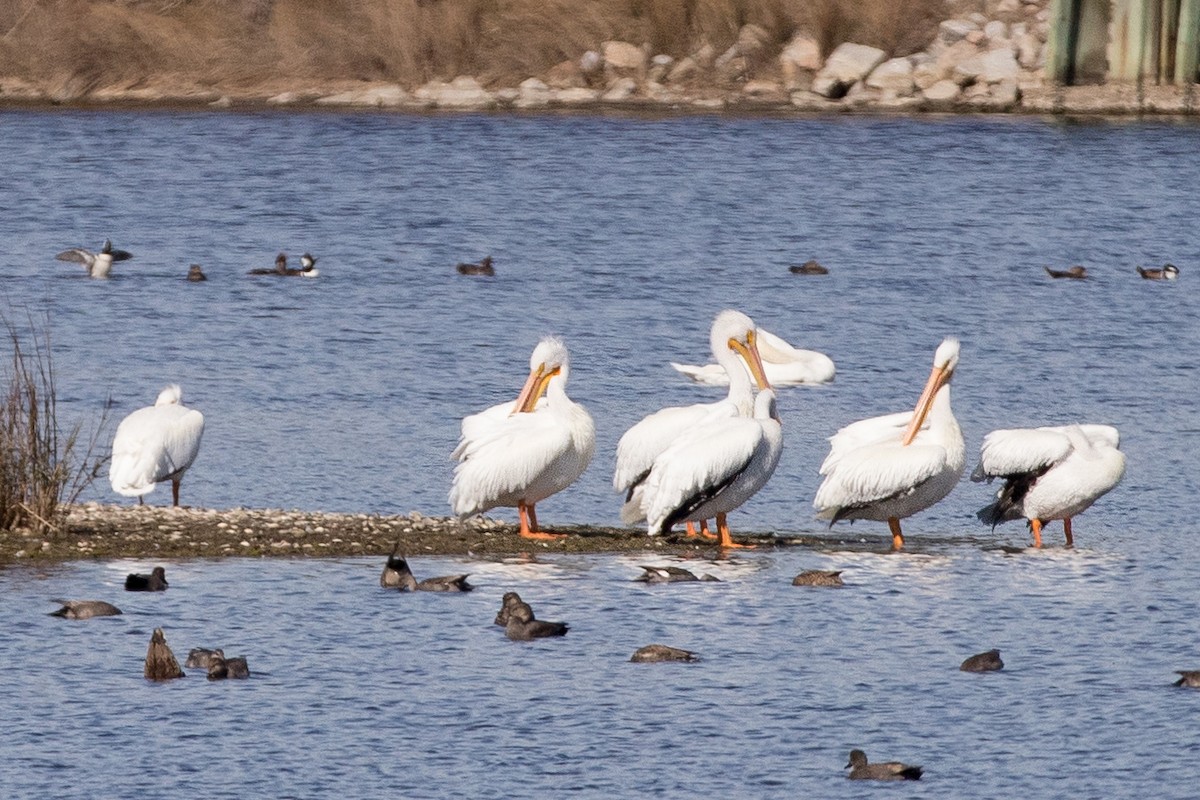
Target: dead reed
(43, 468)
(245, 42)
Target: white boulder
(846, 66)
(894, 75)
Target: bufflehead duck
(98, 265)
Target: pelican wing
(506, 459)
(646, 441)
(865, 433)
(871, 474)
(476, 427)
(709, 374)
(154, 444)
(1020, 451)
(1098, 435)
(77, 255)
(699, 465)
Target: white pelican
(98, 265)
(518, 454)
(154, 444)
(734, 341)
(714, 468)
(783, 364)
(1049, 473)
(891, 467)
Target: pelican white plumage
(518, 454)
(734, 341)
(890, 467)
(713, 468)
(1049, 473)
(155, 444)
(783, 364)
(98, 265)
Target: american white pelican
(714, 468)
(734, 341)
(1049, 473)
(891, 467)
(98, 265)
(518, 454)
(783, 364)
(1169, 272)
(154, 444)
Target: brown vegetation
(41, 468)
(93, 43)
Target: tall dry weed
(43, 469)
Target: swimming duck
(510, 601)
(658, 653)
(670, 574)
(484, 267)
(1169, 272)
(98, 265)
(280, 268)
(397, 575)
(522, 626)
(195, 274)
(85, 609)
(810, 267)
(860, 770)
(156, 581)
(220, 668)
(1189, 678)
(308, 267)
(983, 662)
(1076, 272)
(160, 661)
(818, 577)
(201, 657)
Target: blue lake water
(624, 236)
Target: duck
(983, 662)
(85, 609)
(659, 653)
(507, 603)
(155, 444)
(1189, 678)
(98, 265)
(201, 657)
(484, 267)
(810, 267)
(861, 770)
(308, 267)
(669, 574)
(156, 581)
(196, 274)
(397, 575)
(523, 626)
(818, 577)
(1169, 272)
(220, 668)
(1076, 272)
(280, 268)
(160, 661)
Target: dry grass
(125, 42)
(41, 468)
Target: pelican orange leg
(897, 536)
(691, 530)
(529, 525)
(725, 540)
(1067, 531)
(1036, 526)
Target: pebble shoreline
(93, 530)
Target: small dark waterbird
(818, 577)
(98, 265)
(397, 575)
(1169, 272)
(85, 609)
(983, 662)
(156, 581)
(484, 267)
(810, 267)
(160, 661)
(660, 653)
(861, 770)
(1076, 272)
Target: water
(624, 236)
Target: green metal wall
(1156, 41)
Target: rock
(804, 52)
(18, 89)
(954, 55)
(955, 30)
(995, 30)
(943, 91)
(620, 89)
(507, 97)
(1006, 93)
(811, 101)
(1029, 52)
(623, 56)
(846, 65)
(684, 70)
(575, 97)
(532, 93)
(975, 37)
(386, 96)
(990, 67)
(705, 56)
(223, 101)
(753, 39)
(660, 65)
(462, 92)
(926, 75)
(591, 63)
(761, 89)
(285, 99)
(894, 75)
(565, 75)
